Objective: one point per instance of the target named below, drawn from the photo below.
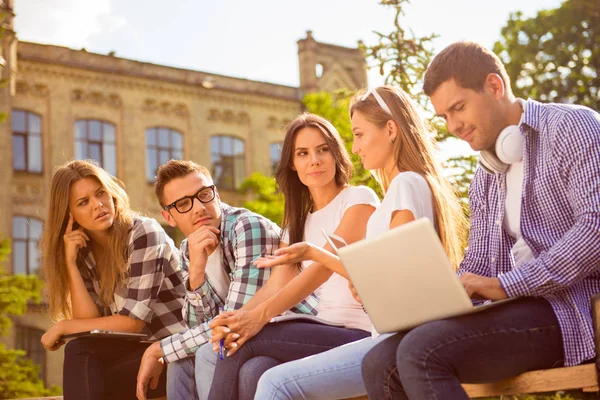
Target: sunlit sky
(251, 39)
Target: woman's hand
(292, 254)
(246, 324)
(74, 240)
(51, 339)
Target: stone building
(132, 116)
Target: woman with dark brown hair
(313, 175)
(106, 268)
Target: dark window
(228, 161)
(29, 339)
(275, 155)
(96, 140)
(162, 145)
(27, 141)
(26, 232)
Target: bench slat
(548, 380)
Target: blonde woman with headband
(106, 268)
(394, 143)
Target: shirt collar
(531, 114)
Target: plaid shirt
(560, 220)
(153, 290)
(245, 236)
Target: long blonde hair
(414, 151)
(52, 246)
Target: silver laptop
(404, 277)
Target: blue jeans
(284, 341)
(334, 374)
(430, 361)
(191, 378)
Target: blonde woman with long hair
(105, 268)
(393, 142)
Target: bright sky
(250, 39)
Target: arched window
(96, 140)
(275, 155)
(26, 141)
(162, 145)
(26, 232)
(228, 158)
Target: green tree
(264, 197)
(403, 59)
(19, 377)
(555, 56)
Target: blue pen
(222, 341)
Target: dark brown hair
(172, 170)
(415, 151)
(298, 201)
(466, 62)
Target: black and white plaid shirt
(154, 290)
(245, 236)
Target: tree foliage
(555, 56)
(19, 377)
(265, 199)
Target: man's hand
(150, 369)
(246, 324)
(482, 287)
(51, 339)
(200, 244)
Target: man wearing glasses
(218, 253)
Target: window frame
(273, 164)
(100, 142)
(28, 335)
(26, 241)
(26, 137)
(156, 147)
(234, 158)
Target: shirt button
(497, 222)
(493, 260)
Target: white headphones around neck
(509, 149)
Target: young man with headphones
(535, 237)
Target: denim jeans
(98, 369)
(284, 341)
(430, 361)
(191, 378)
(180, 380)
(334, 374)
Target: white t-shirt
(216, 274)
(512, 207)
(336, 303)
(407, 191)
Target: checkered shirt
(154, 290)
(560, 220)
(245, 236)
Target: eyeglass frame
(380, 101)
(193, 197)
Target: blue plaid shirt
(560, 220)
(245, 236)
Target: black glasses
(185, 204)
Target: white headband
(379, 99)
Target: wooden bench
(581, 377)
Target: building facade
(132, 116)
